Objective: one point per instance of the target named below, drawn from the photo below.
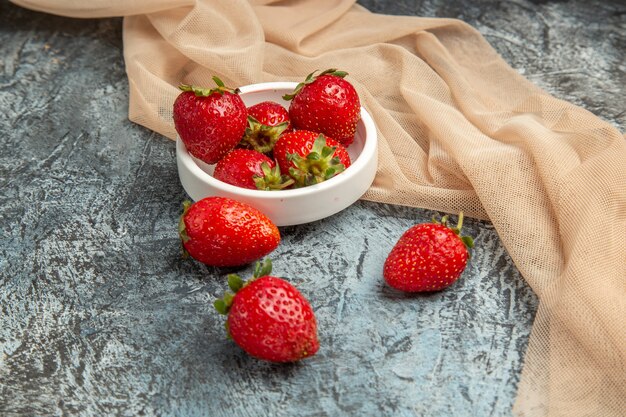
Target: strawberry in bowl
(326, 103)
(210, 121)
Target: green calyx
(311, 78)
(205, 92)
(222, 305)
(467, 240)
(318, 166)
(260, 137)
(262, 269)
(182, 231)
(235, 283)
(272, 179)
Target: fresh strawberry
(266, 122)
(326, 103)
(269, 318)
(428, 257)
(210, 122)
(270, 113)
(224, 232)
(310, 157)
(248, 168)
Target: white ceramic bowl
(296, 206)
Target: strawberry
(224, 232)
(310, 157)
(266, 122)
(326, 103)
(268, 317)
(270, 113)
(248, 168)
(428, 257)
(210, 122)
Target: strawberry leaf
(272, 179)
(220, 306)
(289, 97)
(265, 167)
(228, 298)
(263, 269)
(328, 151)
(311, 78)
(319, 144)
(182, 230)
(311, 179)
(217, 81)
(235, 282)
(468, 241)
(205, 92)
(261, 137)
(335, 72)
(227, 328)
(330, 172)
(315, 166)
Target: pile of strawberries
(267, 147)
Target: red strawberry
(270, 113)
(428, 257)
(327, 104)
(224, 232)
(266, 122)
(248, 168)
(210, 122)
(309, 157)
(269, 318)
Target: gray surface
(99, 315)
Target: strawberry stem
(444, 220)
(468, 241)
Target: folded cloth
(459, 130)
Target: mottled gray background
(99, 315)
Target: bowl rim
(365, 157)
